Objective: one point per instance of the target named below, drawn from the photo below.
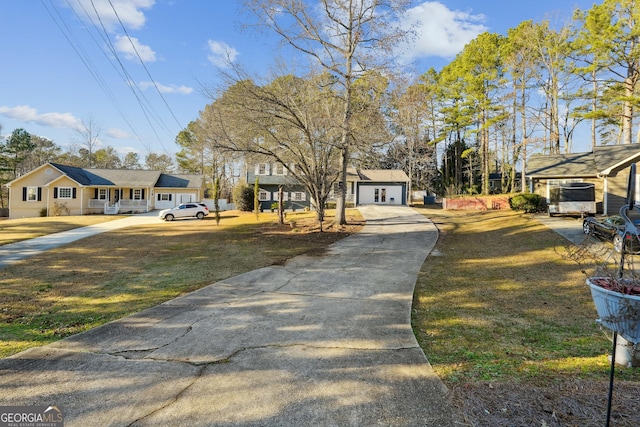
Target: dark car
(611, 229)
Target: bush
(243, 197)
(527, 202)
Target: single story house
(377, 186)
(364, 186)
(54, 189)
(607, 167)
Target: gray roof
(128, 177)
(565, 165)
(377, 175)
(606, 159)
(273, 180)
(179, 181)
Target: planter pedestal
(619, 313)
(625, 354)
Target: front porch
(121, 206)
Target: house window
(278, 169)
(298, 196)
(102, 193)
(137, 194)
(285, 196)
(164, 197)
(65, 193)
(262, 169)
(32, 194)
(263, 195)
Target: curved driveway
(320, 341)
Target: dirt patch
(580, 403)
(307, 229)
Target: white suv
(185, 210)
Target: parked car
(611, 229)
(185, 210)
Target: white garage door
(384, 194)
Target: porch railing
(133, 204)
(123, 204)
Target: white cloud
(118, 133)
(30, 115)
(221, 54)
(442, 32)
(129, 12)
(182, 90)
(131, 48)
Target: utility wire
(120, 68)
(86, 60)
(128, 80)
(145, 66)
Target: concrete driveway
(320, 341)
(568, 227)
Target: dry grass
(508, 324)
(108, 276)
(14, 230)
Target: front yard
(108, 276)
(509, 325)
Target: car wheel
(199, 215)
(169, 217)
(617, 243)
(586, 228)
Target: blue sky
(58, 68)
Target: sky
(142, 73)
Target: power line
(144, 65)
(87, 62)
(115, 61)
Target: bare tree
(289, 121)
(346, 38)
(89, 132)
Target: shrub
(527, 202)
(243, 197)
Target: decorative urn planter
(617, 307)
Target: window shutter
(130, 193)
(170, 197)
(24, 194)
(267, 169)
(74, 193)
(39, 194)
(95, 193)
(55, 192)
(143, 194)
(257, 171)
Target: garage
(380, 194)
(379, 186)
